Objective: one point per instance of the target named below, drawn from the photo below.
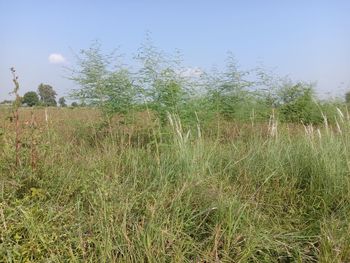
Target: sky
(306, 40)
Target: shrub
(298, 105)
(30, 98)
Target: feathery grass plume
(319, 133)
(325, 122)
(309, 130)
(341, 115)
(252, 117)
(199, 133)
(337, 124)
(272, 127)
(180, 136)
(46, 117)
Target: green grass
(153, 196)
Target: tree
(47, 95)
(30, 98)
(74, 104)
(160, 81)
(62, 102)
(229, 92)
(103, 82)
(6, 102)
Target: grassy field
(131, 191)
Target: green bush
(30, 98)
(298, 104)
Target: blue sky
(307, 40)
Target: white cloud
(192, 72)
(56, 58)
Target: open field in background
(133, 191)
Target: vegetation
(30, 98)
(4, 102)
(347, 97)
(162, 84)
(232, 166)
(74, 104)
(139, 192)
(62, 102)
(103, 83)
(47, 95)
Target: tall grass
(175, 194)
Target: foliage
(119, 93)
(234, 182)
(161, 85)
(30, 98)
(62, 102)
(231, 93)
(47, 95)
(297, 104)
(102, 82)
(160, 81)
(6, 102)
